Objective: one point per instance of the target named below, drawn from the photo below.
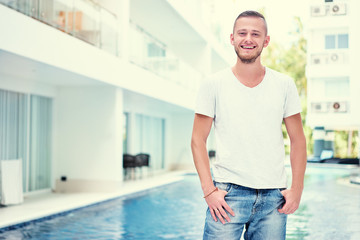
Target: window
(331, 88)
(149, 138)
(330, 41)
(337, 87)
(343, 41)
(336, 41)
(155, 50)
(125, 132)
(13, 128)
(25, 130)
(40, 143)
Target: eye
(242, 33)
(256, 34)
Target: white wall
(200, 61)
(354, 39)
(89, 133)
(21, 85)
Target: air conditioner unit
(319, 107)
(318, 59)
(338, 9)
(340, 107)
(318, 11)
(336, 58)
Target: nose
(248, 38)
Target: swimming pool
(329, 210)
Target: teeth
(246, 47)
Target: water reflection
(328, 206)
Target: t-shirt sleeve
(206, 99)
(292, 101)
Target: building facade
(83, 82)
(333, 78)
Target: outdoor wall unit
(329, 58)
(319, 107)
(329, 107)
(338, 9)
(318, 11)
(328, 10)
(339, 107)
(336, 58)
(318, 59)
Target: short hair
(251, 13)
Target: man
(247, 105)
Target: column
(329, 140)
(319, 141)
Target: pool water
(330, 207)
(329, 210)
(174, 211)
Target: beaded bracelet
(211, 192)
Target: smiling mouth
(248, 47)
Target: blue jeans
(255, 209)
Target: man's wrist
(207, 187)
(214, 190)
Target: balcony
(334, 63)
(151, 54)
(82, 19)
(329, 16)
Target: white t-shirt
(247, 122)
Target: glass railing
(151, 54)
(83, 19)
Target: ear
(232, 39)
(267, 40)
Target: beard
(250, 59)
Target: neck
(249, 75)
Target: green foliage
(342, 150)
(291, 60)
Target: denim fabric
(255, 209)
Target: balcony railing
(82, 19)
(151, 54)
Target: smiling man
(247, 105)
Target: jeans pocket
(279, 191)
(223, 186)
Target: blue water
(329, 210)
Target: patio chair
(142, 160)
(128, 163)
